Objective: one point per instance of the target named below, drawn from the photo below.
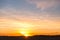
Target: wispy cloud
(27, 15)
(15, 14)
(45, 4)
(14, 20)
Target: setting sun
(26, 34)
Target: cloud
(14, 20)
(24, 14)
(45, 4)
(17, 14)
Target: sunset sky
(29, 17)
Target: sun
(26, 34)
(25, 29)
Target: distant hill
(36, 37)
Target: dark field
(37, 37)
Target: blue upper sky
(39, 7)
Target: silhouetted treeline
(36, 37)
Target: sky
(29, 17)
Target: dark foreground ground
(38, 37)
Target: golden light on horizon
(25, 33)
(25, 28)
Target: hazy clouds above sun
(45, 4)
(20, 15)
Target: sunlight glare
(26, 34)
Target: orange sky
(12, 27)
(29, 17)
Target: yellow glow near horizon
(25, 28)
(25, 33)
